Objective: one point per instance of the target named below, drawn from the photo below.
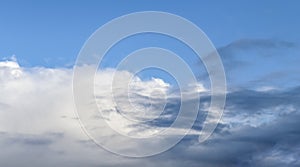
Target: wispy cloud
(260, 63)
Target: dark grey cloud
(253, 101)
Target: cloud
(249, 44)
(265, 133)
(39, 101)
(259, 63)
(39, 128)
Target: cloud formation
(39, 128)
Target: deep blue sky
(51, 33)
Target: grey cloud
(237, 143)
(241, 144)
(232, 53)
(248, 62)
(244, 44)
(244, 55)
(31, 139)
(273, 143)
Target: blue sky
(52, 33)
(258, 43)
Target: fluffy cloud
(37, 113)
(38, 126)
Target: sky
(258, 43)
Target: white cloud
(37, 101)
(38, 125)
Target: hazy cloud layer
(255, 63)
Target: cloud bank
(39, 128)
